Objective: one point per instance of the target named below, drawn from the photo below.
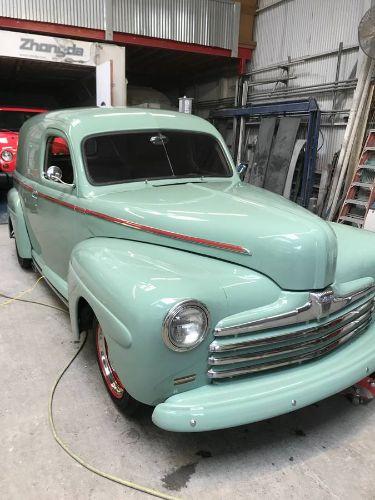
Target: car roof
(82, 122)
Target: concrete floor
(324, 451)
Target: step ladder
(361, 192)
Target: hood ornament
(323, 303)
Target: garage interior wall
(304, 46)
(299, 41)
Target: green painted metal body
(133, 272)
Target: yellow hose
(21, 294)
(76, 457)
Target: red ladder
(361, 192)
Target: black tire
(24, 263)
(122, 399)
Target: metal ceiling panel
(205, 22)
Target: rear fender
(17, 219)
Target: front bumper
(238, 402)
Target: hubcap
(110, 376)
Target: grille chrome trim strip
(319, 305)
(335, 334)
(212, 374)
(216, 347)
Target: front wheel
(115, 387)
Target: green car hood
(235, 222)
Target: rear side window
(124, 157)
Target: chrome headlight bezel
(171, 315)
(6, 153)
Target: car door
(53, 218)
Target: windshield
(13, 120)
(123, 157)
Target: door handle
(34, 194)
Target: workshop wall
(304, 43)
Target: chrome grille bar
(235, 372)
(320, 304)
(291, 349)
(294, 336)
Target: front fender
(131, 286)
(16, 216)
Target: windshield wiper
(176, 180)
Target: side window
(58, 155)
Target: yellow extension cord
(73, 455)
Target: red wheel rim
(110, 376)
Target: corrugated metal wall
(84, 13)
(205, 22)
(297, 29)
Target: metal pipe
(289, 95)
(276, 2)
(338, 66)
(325, 84)
(261, 97)
(319, 88)
(297, 92)
(274, 80)
(341, 85)
(339, 124)
(300, 60)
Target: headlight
(7, 155)
(186, 325)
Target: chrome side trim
(319, 305)
(184, 380)
(351, 315)
(212, 374)
(226, 360)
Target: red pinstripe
(140, 227)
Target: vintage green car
(216, 302)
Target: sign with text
(47, 48)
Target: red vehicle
(11, 120)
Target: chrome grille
(233, 356)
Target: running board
(38, 269)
